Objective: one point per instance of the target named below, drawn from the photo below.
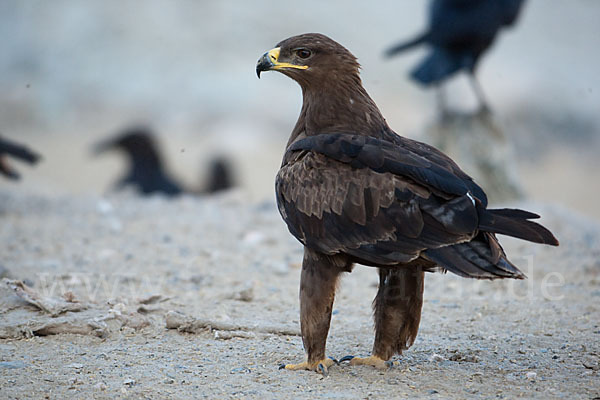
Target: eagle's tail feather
(474, 260)
(513, 222)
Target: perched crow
(17, 151)
(460, 31)
(353, 191)
(146, 171)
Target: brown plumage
(353, 191)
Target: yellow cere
(274, 56)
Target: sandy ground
(134, 263)
(223, 272)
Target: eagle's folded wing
(367, 198)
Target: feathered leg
(317, 291)
(397, 313)
(397, 310)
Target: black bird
(146, 171)
(460, 31)
(8, 148)
(220, 176)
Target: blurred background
(75, 72)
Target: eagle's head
(309, 59)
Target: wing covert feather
(377, 217)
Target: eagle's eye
(303, 53)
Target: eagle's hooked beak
(270, 61)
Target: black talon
(281, 366)
(321, 368)
(334, 360)
(346, 358)
(389, 364)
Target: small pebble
(280, 268)
(436, 357)
(589, 363)
(104, 206)
(129, 382)
(246, 294)
(239, 370)
(531, 376)
(253, 238)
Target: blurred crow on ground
(459, 32)
(146, 171)
(8, 148)
(220, 176)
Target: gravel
(230, 271)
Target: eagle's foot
(373, 361)
(320, 366)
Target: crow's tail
(399, 48)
